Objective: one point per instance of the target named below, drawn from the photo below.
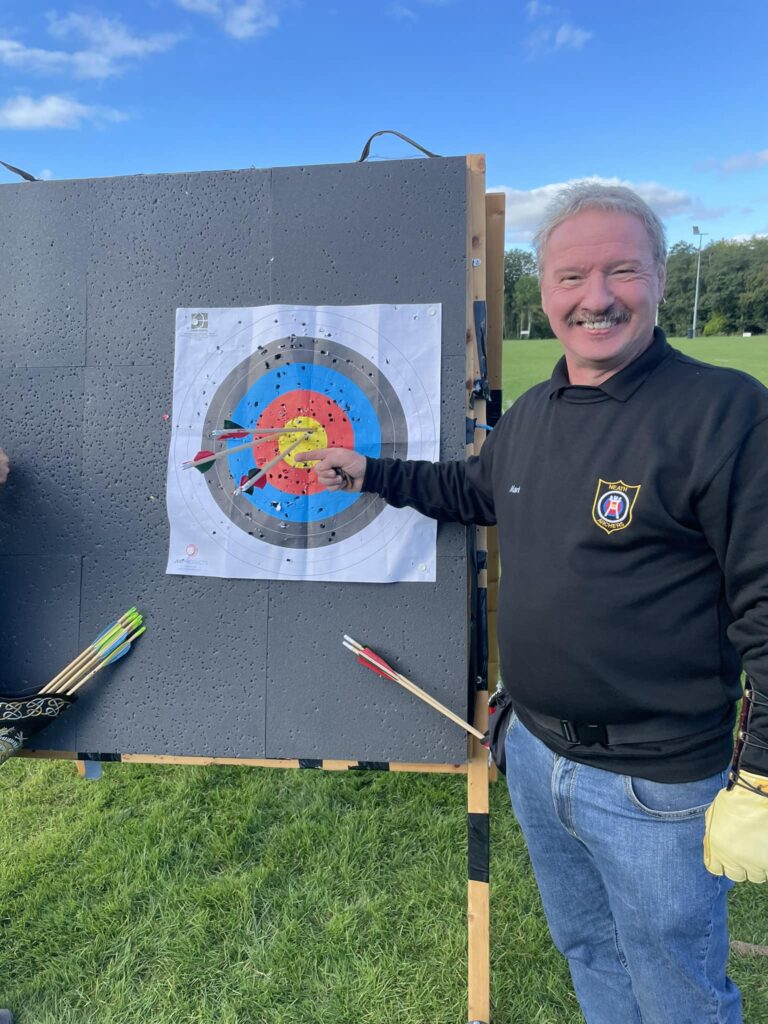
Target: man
(630, 493)
(6, 1017)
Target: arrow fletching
(385, 670)
(260, 481)
(199, 462)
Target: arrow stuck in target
(248, 482)
(234, 432)
(204, 460)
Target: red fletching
(233, 435)
(261, 482)
(199, 461)
(387, 669)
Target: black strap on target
(391, 131)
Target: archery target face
(335, 378)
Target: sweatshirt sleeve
(459, 492)
(733, 512)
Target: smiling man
(601, 284)
(630, 493)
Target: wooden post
(478, 903)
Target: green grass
(172, 895)
(528, 362)
(253, 896)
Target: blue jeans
(629, 903)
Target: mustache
(613, 315)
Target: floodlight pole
(701, 235)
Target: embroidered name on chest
(613, 504)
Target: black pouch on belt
(499, 711)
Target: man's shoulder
(723, 381)
(533, 396)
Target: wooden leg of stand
(478, 895)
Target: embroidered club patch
(613, 504)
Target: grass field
(528, 362)
(168, 895)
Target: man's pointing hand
(337, 469)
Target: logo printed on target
(613, 504)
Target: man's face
(600, 289)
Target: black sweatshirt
(633, 532)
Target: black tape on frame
(309, 762)
(479, 846)
(370, 766)
(92, 756)
(481, 638)
(493, 407)
(480, 313)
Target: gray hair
(592, 195)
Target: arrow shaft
(117, 653)
(66, 679)
(412, 688)
(269, 465)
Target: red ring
(281, 410)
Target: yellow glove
(736, 831)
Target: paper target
(331, 376)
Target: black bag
(499, 711)
(22, 717)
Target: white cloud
(23, 113)
(401, 12)
(744, 162)
(549, 39)
(110, 46)
(570, 37)
(200, 6)
(537, 9)
(45, 175)
(246, 19)
(525, 209)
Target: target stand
(410, 232)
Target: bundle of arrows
(23, 717)
(108, 647)
(378, 665)
(256, 476)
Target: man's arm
(5, 466)
(450, 491)
(732, 512)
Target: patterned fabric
(22, 717)
(10, 741)
(17, 710)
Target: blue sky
(669, 97)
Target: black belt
(647, 730)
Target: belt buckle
(585, 733)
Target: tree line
(733, 291)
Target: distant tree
(532, 320)
(753, 301)
(733, 288)
(717, 324)
(676, 312)
(517, 263)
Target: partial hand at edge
(5, 466)
(736, 831)
(337, 469)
